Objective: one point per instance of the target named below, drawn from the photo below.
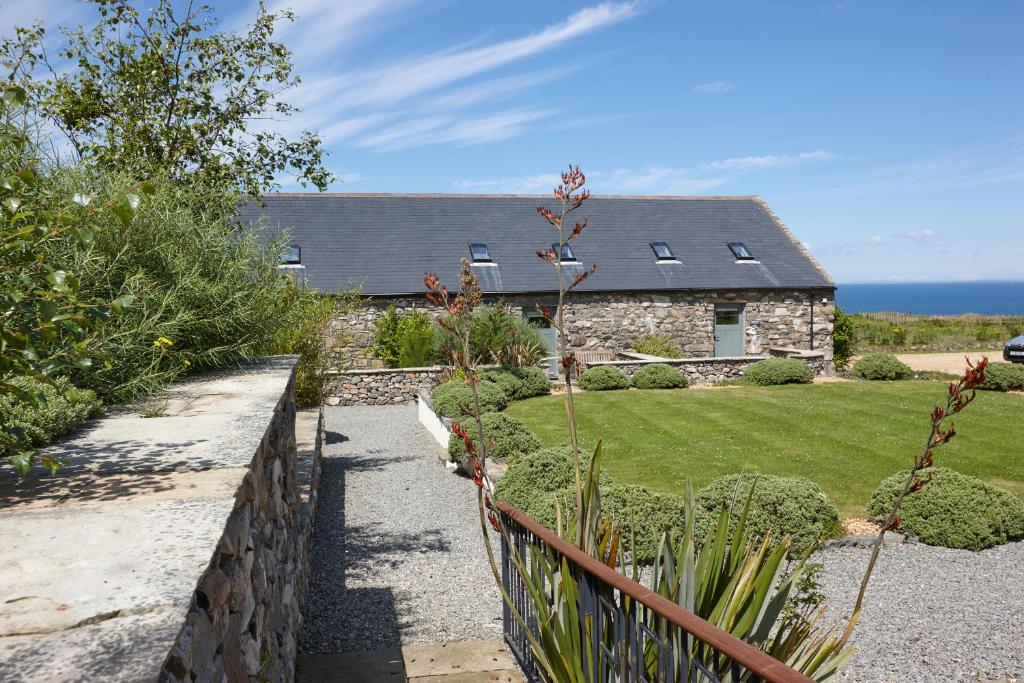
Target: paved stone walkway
(401, 588)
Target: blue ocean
(934, 298)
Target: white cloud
(925, 234)
(713, 88)
(430, 130)
(532, 184)
(770, 161)
(876, 240)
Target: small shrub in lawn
(644, 516)
(657, 345)
(520, 383)
(1003, 377)
(772, 371)
(603, 378)
(508, 437)
(455, 399)
(881, 366)
(28, 425)
(781, 506)
(953, 510)
(659, 376)
(533, 481)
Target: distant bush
(844, 339)
(455, 399)
(781, 506)
(881, 366)
(30, 425)
(644, 515)
(404, 340)
(659, 376)
(603, 378)
(657, 345)
(499, 336)
(1003, 377)
(520, 383)
(953, 510)
(508, 438)
(773, 371)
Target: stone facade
(614, 321)
(711, 370)
(382, 386)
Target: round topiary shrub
(881, 366)
(520, 383)
(532, 481)
(772, 371)
(953, 510)
(455, 399)
(780, 506)
(644, 516)
(659, 376)
(603, 378)
(1003, 377)
(508, 437)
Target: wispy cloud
(922, 235)
(430, 130)
(713, 88)
(770, 161)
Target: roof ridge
(445, 195)
(801, 247)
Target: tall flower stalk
(961, 393)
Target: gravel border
(397, 552)
(931, 614)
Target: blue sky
(888, 135)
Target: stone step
(468, 661)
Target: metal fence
(632, 634)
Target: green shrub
(881, 366)
(953, 510)
(455, 399)
(29, 425)
(1003, 377)
(844, 339)
(508, 438)
(499, 336)
(643, 515)
(782, 506)
(657, 345)
(603, 378)
(404, 340)
(659, 376)
(519, 383)
(533, 481)
(772, 371)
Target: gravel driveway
(397, 553)
(931, 614)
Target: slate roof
(385, 243)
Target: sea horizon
(981, 297)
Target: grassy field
(905, 332)
(846, 436)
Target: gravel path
(931, 614)
(397, 553)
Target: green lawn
(846, 436)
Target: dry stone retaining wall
(383, 386)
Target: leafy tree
(46, 328)
(164, 90)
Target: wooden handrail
(741, 652)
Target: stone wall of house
(711, 370)
(614, 321)
(381, 386)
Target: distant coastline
(934, 298)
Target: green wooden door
(729, 330)
(548, 334)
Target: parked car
(1014, 350)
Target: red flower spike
(493, 519)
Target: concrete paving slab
(458, 657)
(507, 676)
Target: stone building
(720, 276)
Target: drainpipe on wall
(812, 322)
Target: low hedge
(603, 378)
(1003, 377)
(508, 437)
(659, 376)
(772, 371)
(644, 516)
(30, 425)
(532, 482)
(782, 506)
(454, 399)
(520, 383)
(881, 366)
(953, 510)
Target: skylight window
(662, 251)
(740, 251)
(480, 252)
(566, 255)
(292, 255)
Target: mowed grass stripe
(846, 436)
